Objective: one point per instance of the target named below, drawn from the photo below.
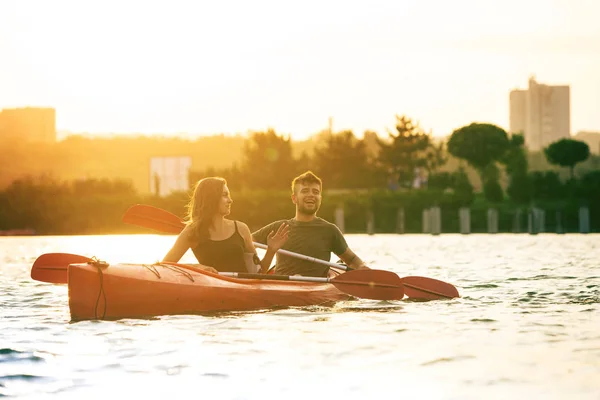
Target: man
(309, 234)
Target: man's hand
(276, 240)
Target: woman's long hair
(203, 206)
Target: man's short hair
(305, 179)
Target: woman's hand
(208, 269)
(276, 240)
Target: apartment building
(542, 113)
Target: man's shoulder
(322, 221)
(274, 224)
(279, 222)
(318, 221)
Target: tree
(371, 140)
(589, 186)
(546, 185)
(404, 152)
(567, 153)
(491, 185)
(515, 160)
(515, 157)
(457, 182)
(519, 188)
(435, 157)
(232, 174)
(268, 162)
(342, 161)
(481, 145)
(442, 181)
(462, 187)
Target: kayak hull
(138, 291)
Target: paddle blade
(422, 288)
(370, 284)
(52, 267)
(153, 218)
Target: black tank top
(223, 255)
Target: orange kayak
(136, 291)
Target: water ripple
(526, 326)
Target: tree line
(408, 169)
(410, 159)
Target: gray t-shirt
(317, 238)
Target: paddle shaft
(303, 257)
(246, 275)
(298, 278)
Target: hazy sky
(232, 66)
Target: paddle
(153, 218)
(416, 287)
(52, 267)
(368, 284)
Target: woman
(221, 244)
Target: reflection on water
(526, 325)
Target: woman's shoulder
(244, 232)
(188, 235)
(241, 226)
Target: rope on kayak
(178, 269)
(152, 268)
(99, 265)
(168, 266)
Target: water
(527, 325)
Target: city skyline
(199, 68)
(541, 112)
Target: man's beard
(308, 211)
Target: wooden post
(436, 220)
(517, 221)
(531, 225)
(559, 227)
(539, 217)
(370, 222)
(426, 221)
(492, 220)
(584, 220)
(464, 215)
(400, 220)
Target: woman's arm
(181, 246)
(275, 241)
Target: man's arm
(261, 235)
(341, 249)
(274, 242)
(352, 260)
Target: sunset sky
(208, 67)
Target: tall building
(29, 124)
(542, 113)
